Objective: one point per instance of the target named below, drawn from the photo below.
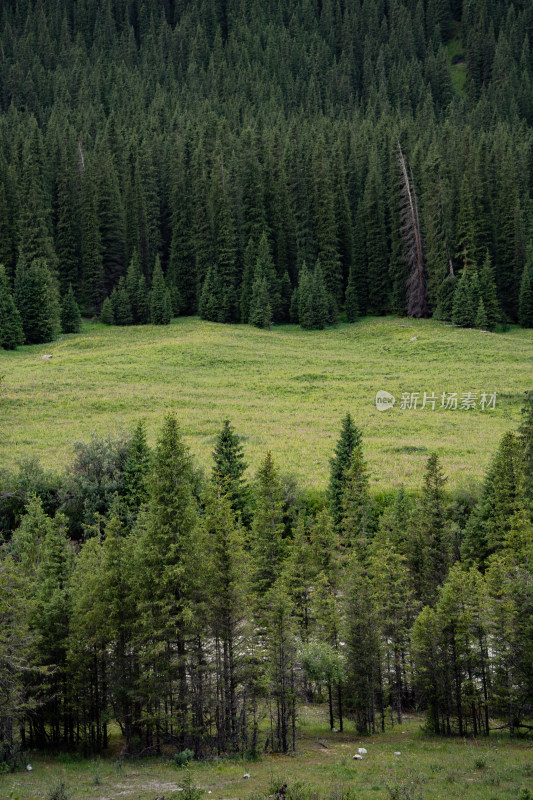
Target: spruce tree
(260, 308)
(250, 258)
(481, 316)
(321, 306)
(305, 299)
(463, 311)
(350, 438)
(160, 303)
(487, 287)
(445, 295)
(350, 302)
(70, 313)
(121, 305)
(107, 315)
(37, 301)
(134, 286)
(230, 466)
(11, 333)
(525, 302)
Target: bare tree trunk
(417, 298)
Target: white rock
(413, 338)
(246, 775)
(46, 357)
(29, 767)
(397, 754)
(357, 757)
(362, 750)
(334, 730)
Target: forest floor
(283, 389)
(321, 769)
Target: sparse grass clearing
(447, 768)
(285, 389)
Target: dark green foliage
(37, 301)
(120, 298)
(315, 306)
(107, 315)
(487, 288)
(160, 301)
(445, 296)
(70, 313)
(350, 302)
(525, 306)
(463, 309)
(11, 333)
(349, 439)
(260, 308)
(481, 316)
(137, 293)
(230, 467)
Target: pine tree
(305, 299)
(230, 467)
(466, 251)
(121, 305)
(463, 311)
(250, 258)
(321, 309)
(481, 316)
(268, 546)
(160, 303)
(487, 287)
(325, 225)
(107, 315)
(135, 284)
(525, 302)
(91, 244)
(70, 313)
(350, 303)
(227, 601)
(373, 220)
(435, 547)
(445, 295)
(37, 301)
(167, 569)
(349, 439)
(11, 333)
(356, 503)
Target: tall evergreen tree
(160, 302)
(11, 333)
(37, 301)
(350, 438)
(70, 313)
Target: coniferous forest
(200, 611)
(264, 162)
(261, 162)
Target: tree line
(199, 611)
(245, 149)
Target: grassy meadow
(322, 767)
(285, 389)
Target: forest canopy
(251, 149)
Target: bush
(59, 792)
(183, 758)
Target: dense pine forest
(264, 162)
(200, 611)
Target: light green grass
(285, 389)
(450, 769)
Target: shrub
(183, 758)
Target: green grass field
(285, 389)
(450, 769)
